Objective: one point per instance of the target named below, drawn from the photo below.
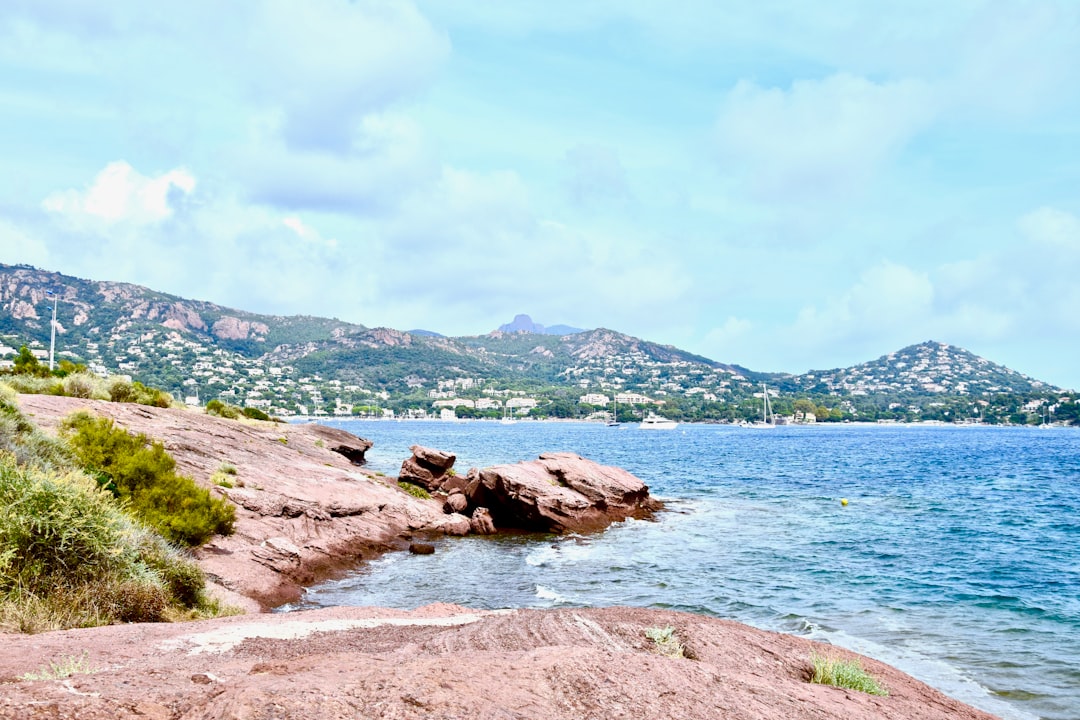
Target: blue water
(957, 558)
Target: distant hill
(426, 333)
(524, 324)
(312, 365)
(929, 368)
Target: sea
(956, 557)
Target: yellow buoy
(843, 501)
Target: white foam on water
(551, 596)
(542, 556)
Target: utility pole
(52, 339)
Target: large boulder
(344, 443)
(560, 492)
(428, 468)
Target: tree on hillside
(27, 364)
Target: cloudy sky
(781, 184)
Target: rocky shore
(306, 509)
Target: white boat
(768, 420)
(655, 422)
(614, 420)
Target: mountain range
(297, 363)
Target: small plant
(379, 474)
(227, 469)
(319, 443)
(452, 472)
(844, 674)
(66, 667)
(666, 641)
(415, 490)
(283, 440)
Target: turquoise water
(957, 558)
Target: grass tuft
(844, 674)
(666, 641)
(60, 669)
(415, 490)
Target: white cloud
(388, 160)
(20, 247)
(818, 136)
(719, 341)
(329, 63)
(889, 301)
(120, 193)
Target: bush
(414, 490)
(71, 557)
(216, 407)
(844, 674)
(26, 444)
(255, 414)
(140, 472)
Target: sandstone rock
(343, 443)
(455, 503)
(435, 459)
(442, 661)
(427, 467)
(419, 548)
(453, 524)
(561, 492)
(481, 522)
(415, 473)
(454, 483)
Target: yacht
(768, 420)
(655, 422)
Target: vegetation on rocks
(70, 554)
(666, 641)
(139, 472)
(844, 674)
(415, 490)
(29, 375)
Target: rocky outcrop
(427, 467)
(344, 443)
(444, 661)
(560, 492)
(304, 510)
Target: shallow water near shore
(957, 558)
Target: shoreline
(291, 565)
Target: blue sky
(780, 184)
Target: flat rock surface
(303, 510)
(443, 661)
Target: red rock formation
(304, 511)
(427, 467)
(560, 492)
(444, 661)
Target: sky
(779, 184)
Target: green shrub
(35, 384)
(255, 414)
(666, 641)
(844, 674)
(216, 407)
(71, 557)
(140, 472)
(121, 390)
(25, 442)
(414, 490)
